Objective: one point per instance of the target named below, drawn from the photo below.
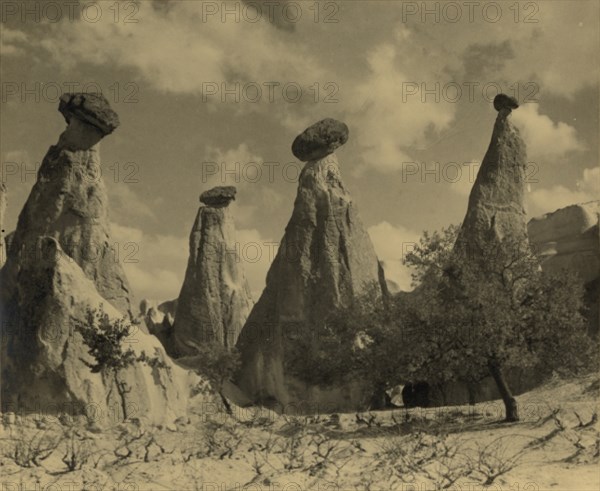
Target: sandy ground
(555, 446)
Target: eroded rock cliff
(43, 355)
(215, 298)
(69, 202)
(324, 260)
(496, 204)
(568, 239)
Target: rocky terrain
(69, 202)
(325, 258)
(52, 373)
(93, 397)
(495, 215)
(568, 239)
(59, 268)
(159, 319)
(554, 447)
(215, 298)
(496, 210)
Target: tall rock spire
(324, 260)
(59, 266)
(69, 203)
(496, 209)
(215, 298)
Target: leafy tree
(216, 363)
(430, 256)
(468, 318)
(105, 338)
(357, 341)
(474, 316)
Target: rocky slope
(445, 448)
(69, 202)
(215, 298)
(159, 320)
(496, 203)
(568, 239)
(43, 358)
(324, 260)
(59, 266)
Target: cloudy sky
(215, 92)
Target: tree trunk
(225, 402)
(471, 390)
(121, 389)
(510, 403)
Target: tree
(470, 317)
(369, 328)
(105, 338)
(216, 363)
(358, 341)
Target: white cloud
(12, 41)
(387, 117)
(125, 203)
(256, 254)
(242, 155)
(543, 40)
(242, 168)
(389, 120)
(391, 245)
(19, 173)
(546, 48)
(179, 49)
(544, 200)
(154, 264)
(176, 50)
(545, 139)
(590, 184)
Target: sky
(213, 93)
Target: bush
(216, 364)
(105, 338)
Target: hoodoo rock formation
(69, 202)
(59, 266)
(506, 102)
(568, 239)
(91, 109)
(495, 213)
(43, 356)
(215, 298)
(496, 204)
(218, 197)
(324, 260)
(320, 140)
